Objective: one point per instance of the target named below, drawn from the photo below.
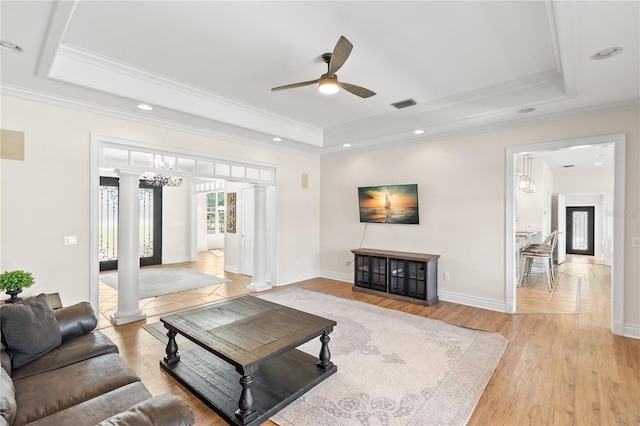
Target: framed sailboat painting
(389, 204)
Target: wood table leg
(245, 410)
(325, 355)
(172, 348)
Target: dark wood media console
(412, 277)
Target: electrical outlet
(70, 240)
(635, 242)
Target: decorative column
(128, 249)
(259, 282)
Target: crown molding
(60, 101)
(489, 128)
(78, 66)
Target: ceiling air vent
(404, 104)
(568, 166)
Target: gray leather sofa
(58, 370)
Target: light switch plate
(70, 240)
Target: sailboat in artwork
(387, 202)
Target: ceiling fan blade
(357, 90)
(340, 54)
(294, 85)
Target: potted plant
(13, 282)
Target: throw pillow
(30, 329)
(8, 405)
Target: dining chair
(542, 253)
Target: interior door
(150, 224)
(561, 218)
(246, 229)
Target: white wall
(462, 205)
(176, 214)
(46, 196)
(201, 222)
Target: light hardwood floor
(557, 369)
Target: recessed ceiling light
(580, 147)
(606, 53)
(346, 145)
(11, 47)
(598, 164)
(418, 132)
(277, 139)
(526, 110)
(144, 107)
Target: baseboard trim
(632, 331)
(295, 278)
(337, 276)
(477, 302)
(180, 259)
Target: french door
(580, 230)
(150, 224)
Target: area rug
(160, 281)
(394, 368)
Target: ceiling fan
(328, 83)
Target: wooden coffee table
(245, 365)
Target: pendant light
(523, 182)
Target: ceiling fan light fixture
(328, 86)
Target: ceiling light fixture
(144, 107)
(526, 182)
(526, 110)
(11, 47)
(328, 85)
(158, 179)
(606, 53)
(418, 132)
(277, 139)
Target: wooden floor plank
(557, 369)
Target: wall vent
(404, 104)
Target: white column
(128, 249)
(259, 282)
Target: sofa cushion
(75, 320)
(94, 410)
(29, 329)
(161, 410)
(7, 397)
(43, 394)
(69, 352)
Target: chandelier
(158, 179)
(526, 182)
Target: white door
(561, 220)
(246, 229)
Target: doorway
(150, 224)
(615, 243)
(580, 225)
